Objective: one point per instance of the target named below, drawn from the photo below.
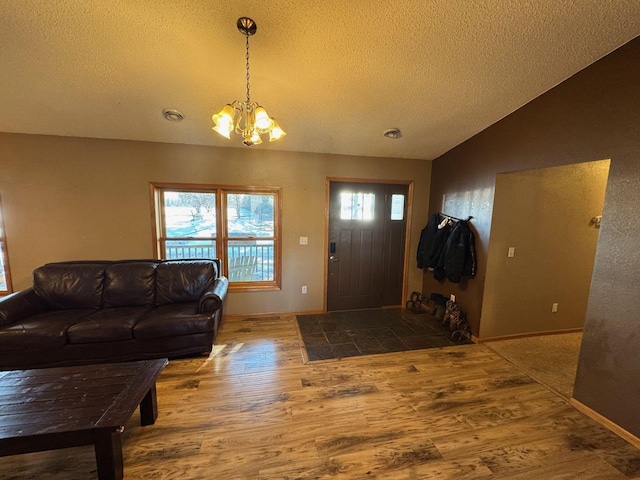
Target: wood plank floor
(252, 410)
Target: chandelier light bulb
(263, 121)
(223, 121)
(252, 138)
(276, 133)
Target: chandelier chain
(247, 56)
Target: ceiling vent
(172, 115)
(392, 133)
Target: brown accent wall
(593, 115)
(77, 198)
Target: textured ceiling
(335, 74)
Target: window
(357, 206)
(397, 206)
(239, 225)
(5, 277)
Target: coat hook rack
(454, 218)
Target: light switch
(304, 240)
(512, 252)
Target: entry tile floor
(366, 332)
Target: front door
(367, 230)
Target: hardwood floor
(253, 410)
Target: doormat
(337, 335)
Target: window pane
(176, 249)
(397, 206)
(251, 260)
(357, 206)
(189, 214)
(3, 277)
(250, 215)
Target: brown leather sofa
(108, 311)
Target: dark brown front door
(367, 228)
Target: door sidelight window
(397, 206)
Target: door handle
(333, 258)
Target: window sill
(254, 287)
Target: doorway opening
(544, 235)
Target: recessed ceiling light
(172, 115)
(392, 133)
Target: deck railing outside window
(253, 259)
(177, 249)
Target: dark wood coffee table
(50, 408)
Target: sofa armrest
(19, 305)
(213, 298)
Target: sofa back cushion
(129, 284)
(180, 281)
(69, 285)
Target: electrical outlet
(304, 240)
(304, 289)
(511, 252)
(554, 308)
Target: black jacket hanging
(459, 256)
(449, 251)
(432, 242)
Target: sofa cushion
(173, 320)
(129, 284)
(181, 281)
(44, 331)
(69, 285)
(107, 325)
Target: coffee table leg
(149, 407)
(108, 447)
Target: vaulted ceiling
(334, 73)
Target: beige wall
(545, 214)
(73, 198)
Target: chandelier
(246, 118)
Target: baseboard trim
(606, 423)
(525, 335)
(236, 316)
